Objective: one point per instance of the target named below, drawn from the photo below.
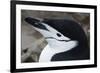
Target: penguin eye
(59, 35)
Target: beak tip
(28, 19)
(31, 20)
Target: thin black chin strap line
(57, 39)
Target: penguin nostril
(59, 35)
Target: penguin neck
(47, 54)
(49, 51)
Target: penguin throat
(52, 48)
(57, 39)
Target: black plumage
(74, 31)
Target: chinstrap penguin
(66, 39)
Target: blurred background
(32, 42)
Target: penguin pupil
(58, 35)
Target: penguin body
(65, 37)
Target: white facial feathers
(55, 41)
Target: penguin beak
(31, 20)
(36, 23)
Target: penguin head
(60, 34)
